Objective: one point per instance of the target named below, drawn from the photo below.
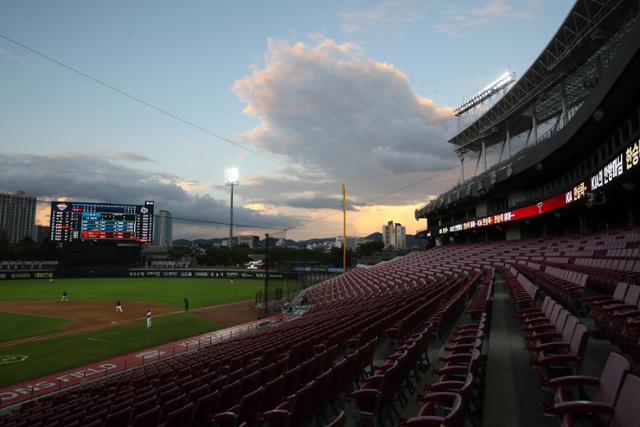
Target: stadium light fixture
(231, 177)
(497, 85)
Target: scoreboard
(77, 221)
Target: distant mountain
(376, 237)
(317, 240)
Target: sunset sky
(300, 96)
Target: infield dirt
(92, 315)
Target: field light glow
(231, 175)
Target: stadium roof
(588, 26)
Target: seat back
(204, 408)
(273, 393)
(117, 419)
(569, 328)
(292, 380)
(250, 406)
(620, 291)
(579, 341)
(148, 418)
(633, 295)
(561, 320)
(545, 303)
(180, 417)
(302, 406)
(229, 395)
(554, 313)
(338, 421)
(626, 412)
(611, 380)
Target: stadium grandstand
(524, 311)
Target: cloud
(13, 57)
(342, 117)
(310, 202)
(78, 176)
(132, 156)
(388, 15)
(457, 19)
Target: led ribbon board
(622, 164)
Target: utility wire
(183, 219)
(209, 132)
(142, 101)
(374, 199)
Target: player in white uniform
(148, 318)
(64, 297)
(118, 306)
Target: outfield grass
(53, 356)
(201, 292)
(15, 326)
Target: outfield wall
(70, 273)
(17, 275)
(217, 274)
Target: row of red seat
(617, 316)
(614, 402)
(460, 378)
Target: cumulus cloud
(389, 15)
(458, 19)
(346, 117)
(83, 177)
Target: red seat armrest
(582, 407)
(573, 380)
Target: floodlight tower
(231, 176)
(477, 105)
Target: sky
(299, 96)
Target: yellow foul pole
(344, 228)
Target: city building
(42, 233)
(394, 235)
(250, 241)
(17, 216)
(352, 242)
(163, 229)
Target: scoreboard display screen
(77, 221)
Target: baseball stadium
(518, 306)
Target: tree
(368, 248)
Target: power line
(183, 219)
(382, 196)
(142, 101)
(206, 221)
(207, 131)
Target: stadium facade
(574, 119)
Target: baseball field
(56, 335)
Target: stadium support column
(265, 300)
(563, 104)
(484, 155)
(461, 156)
(508, 140)
(534, 127)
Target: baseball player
(186, 304)
(64, 297)
(148, 318)
(118, 307)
